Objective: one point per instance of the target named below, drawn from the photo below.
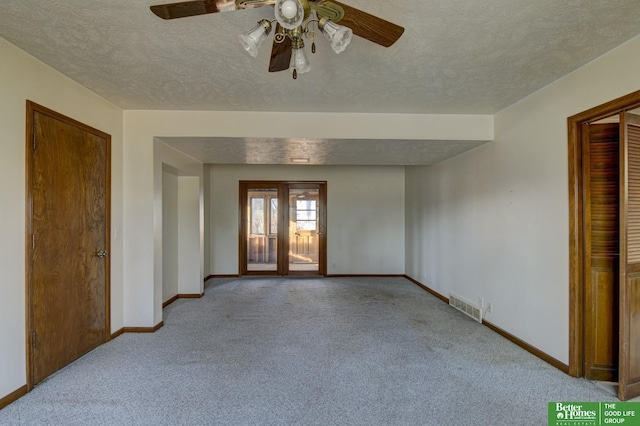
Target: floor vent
(466, 307)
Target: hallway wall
(493, 222)
(365, 215)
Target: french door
(282, 228)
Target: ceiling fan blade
(371, 27)
(192, 8)
(280, 53)
(201, 7)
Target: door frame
(321, 231)
(32, 108)
(576, 221)
(283, 236)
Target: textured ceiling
(455, 57)
(463, 56)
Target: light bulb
(289, 9)
(291, 13)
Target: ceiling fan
(294, 19)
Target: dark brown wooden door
(629, 358)
(68, 181)
(601, 148)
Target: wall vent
(466, 307)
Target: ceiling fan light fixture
(299, 160)
(295, 19)
(253, 39)
(339, 36)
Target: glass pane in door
(262, 238)
(303, 229)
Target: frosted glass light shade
(299, 61)
(253, 39)
(339, 36)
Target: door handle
(101, 254)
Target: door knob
(102, 254)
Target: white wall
(181, 248)
(207, 222)
(365, 215)
(493, 222)
(21, 78)
(170, 234)
(189, 238)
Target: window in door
(303, 229)
(262, 241)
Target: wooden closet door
(629, 358)
(68, 181)
(602, 224)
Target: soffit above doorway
(217, 150)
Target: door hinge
(33, 241)
(34, 141)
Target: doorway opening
(604, 225)
(282, 228)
